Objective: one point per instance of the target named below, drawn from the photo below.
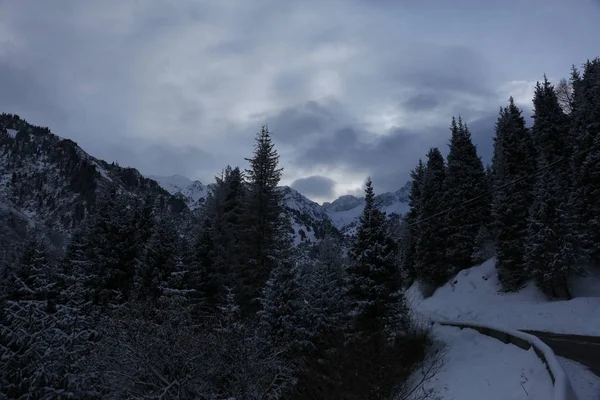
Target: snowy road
(584, 382)
(583, 349)
(477, 366)
(474, 295)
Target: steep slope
(49, 184)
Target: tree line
(536, 208)
(135, 309)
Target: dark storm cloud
(421, 102)
(293, 124)
(387, 159)
(438, 70)
(349, 89)
(170, 160)
(483, 131)
(21, 92)
(315, 186)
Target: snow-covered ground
(480, 367)
(585, 383)
(474, 372)
(473, 296)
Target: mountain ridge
(49, 184)
(343, 212)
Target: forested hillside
(48, 185)
(112, 288)
(138, 307)
(536, 208)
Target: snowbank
(472, 296)
(480, 367)
(584, 382)
(561, 385)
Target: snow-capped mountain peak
(343, 203)
(192, 192)
(345, 211)
(309, 219)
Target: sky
(349, 88)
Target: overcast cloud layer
(350, 88)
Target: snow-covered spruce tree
(485, 242)
(144, 211)
(233, 218)
(325, 308)
(512, 178)
(148, 352)
(585, 164)
(115, 247)
(42, 339)
(377, 347)
(431, 262)
(247, 365)
(229, 230)
(408, 241)
(550, 252)
(372, 275)
(283, 317)
(205, 280)
(465, 179)
(78, 271)
(32, 275)
(266, 227)
(325, 287)
(159, 260)
(220, 243)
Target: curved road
(583, 349)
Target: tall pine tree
(267, 229)
(409, 226)
(465, 179)
(512, 177)
(372, 274)
(43, 337)
(585, 198)
(431, 263)
(551, 254)
(211, 245)
(159, 259)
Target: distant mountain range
(342, 213)
(48, 183)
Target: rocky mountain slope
(49, 184)
(191, 192)
(345, 211)
(310, 220)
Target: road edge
(562, 386)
